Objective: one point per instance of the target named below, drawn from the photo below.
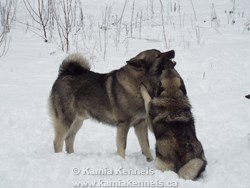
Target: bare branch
(163, 25)
(65, 17)
(40, 14)
(7, 14)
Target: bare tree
(197, 27)
(65, 16)
(163, 25)
(7, 14)
(41, 14)
(214, 18)
(118, 33)
(132, 17)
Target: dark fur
(112, 98)
(169, 116)
(247, 96)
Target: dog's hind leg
(141, 132)
(61, 131)
(76, 125)
(121, 139)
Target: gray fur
(112, 98)
(169, 116)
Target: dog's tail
(192, 169)
(74, 64)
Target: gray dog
(169, 116)
(113, 98)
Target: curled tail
(192, 169)
(74, 64)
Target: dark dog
(113, 98)
(169, 116)
(247, 96)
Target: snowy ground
(216, 74)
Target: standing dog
(113, 98)
(169, 117)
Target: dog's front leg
(121, 139)
(141, 131)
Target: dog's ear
(136, 62)
(170, 54)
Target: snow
(216, 74)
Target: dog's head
(170, 80)
(149, 65)
(152, 61)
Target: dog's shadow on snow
(132, 160)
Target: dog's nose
(170, 54)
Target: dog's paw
(149, 159)
(121, 154)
